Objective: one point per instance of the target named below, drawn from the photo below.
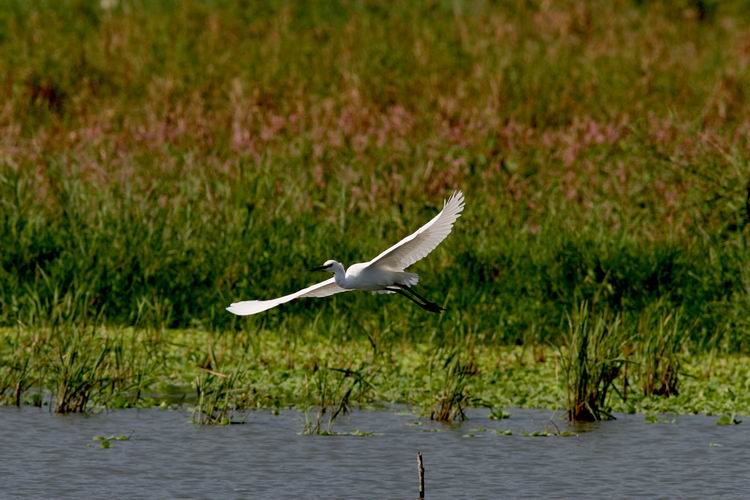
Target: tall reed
(79, 363)
(333, 391)
(592, 360)
(453, 395)
(219, 396)
(661, 340)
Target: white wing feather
(417, 245)
(322, 289)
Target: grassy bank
(275, 369)
(158, 163)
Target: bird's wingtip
(247, 307)
(237, 308)
(456, 198)
(455, 195)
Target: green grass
(159, 160)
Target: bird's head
(328, 266)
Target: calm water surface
(50, 456)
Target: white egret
(383, 274)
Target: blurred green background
(161, 159)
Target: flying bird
(383, 274)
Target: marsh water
(166, 456)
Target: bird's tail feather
(409, 279)
(402, 278)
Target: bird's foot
(432, 307)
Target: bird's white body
(383, 274)
(372, 277)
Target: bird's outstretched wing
(322, 289)
(417, 245)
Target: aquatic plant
(106, 441)
(6, 383)
(454, 395)
(656, 419)
(218, 396)
(14, 381)
(78, 367)
(728, 420)
(498, 414)
(333, 390)
(592, 360)
(660, 346)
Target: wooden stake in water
(420, 469)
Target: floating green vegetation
(549, 434)
(358, 433)
(537, 434)
(499, 414)
(106, 442)
(540, 433)
(328, 432)
(728, 420)
(659, 419)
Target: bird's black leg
(401, 292)
(427, 306)
(431, 305)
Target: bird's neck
(339, 274)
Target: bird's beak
(319, 268)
